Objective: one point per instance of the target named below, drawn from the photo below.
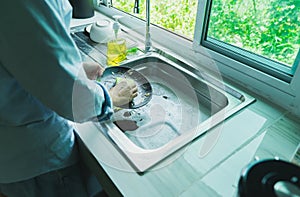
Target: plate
(108, 79)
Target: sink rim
(143, 159)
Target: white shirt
(42, 88)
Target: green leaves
(268, 27)
(178, 16)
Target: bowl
(101, 31)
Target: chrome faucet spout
(148, 43)
(136, 9)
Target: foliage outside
(267, 27)
(178, 16)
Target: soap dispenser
(116, 25)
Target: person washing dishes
(44, 88)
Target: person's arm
(37, 50)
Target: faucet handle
(136, 9)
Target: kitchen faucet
(148, 43)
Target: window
(177, 16)
(255, 43)
(261, 33)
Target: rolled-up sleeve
(38, 51)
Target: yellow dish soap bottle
(116, 47)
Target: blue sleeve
(38, 51)
(107, 108)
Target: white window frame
(284, 94)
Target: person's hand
(123, 92)
(92, 69)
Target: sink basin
(185, 104)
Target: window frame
(272, 67)
(282, 93)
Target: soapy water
(164, 118)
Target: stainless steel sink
(183, 106)
(185, 103)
